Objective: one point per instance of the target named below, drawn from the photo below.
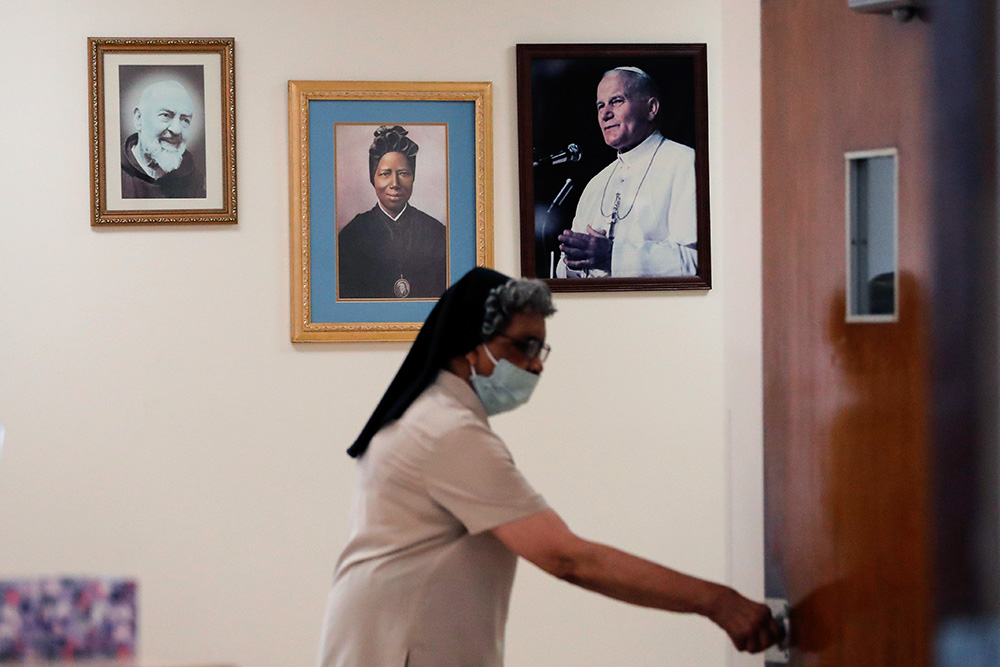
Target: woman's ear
(460, 365)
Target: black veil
(453, 328)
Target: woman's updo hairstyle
(391, 140)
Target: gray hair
(517, 295)
(637, 82)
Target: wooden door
(846, 430)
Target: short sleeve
(471, 473)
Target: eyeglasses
(531, 348)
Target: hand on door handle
(780, 652)
(750, 625)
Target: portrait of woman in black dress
(393, 250)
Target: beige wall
(161, 425)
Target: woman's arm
(545, 540)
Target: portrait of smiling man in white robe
(614, 166)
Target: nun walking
(441, 513)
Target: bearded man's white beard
(164, 155)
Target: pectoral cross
(614, 216)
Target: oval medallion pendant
(401, 288)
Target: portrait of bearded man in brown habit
(155, 161)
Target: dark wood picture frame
(560, 147)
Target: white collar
(396, 218)
(642, 153)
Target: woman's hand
(749, 624)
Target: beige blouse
(422, 581)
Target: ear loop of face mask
(491, 358)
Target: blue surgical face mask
(506, 388)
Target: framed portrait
(391, 201)
(613, 163)
(163, 131)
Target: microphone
(570, 154)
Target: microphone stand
(556, 201)
(570, 154)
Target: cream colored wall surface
(161, 425)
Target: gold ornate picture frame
(379, 279)
(163, 131)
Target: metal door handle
(780, 653)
